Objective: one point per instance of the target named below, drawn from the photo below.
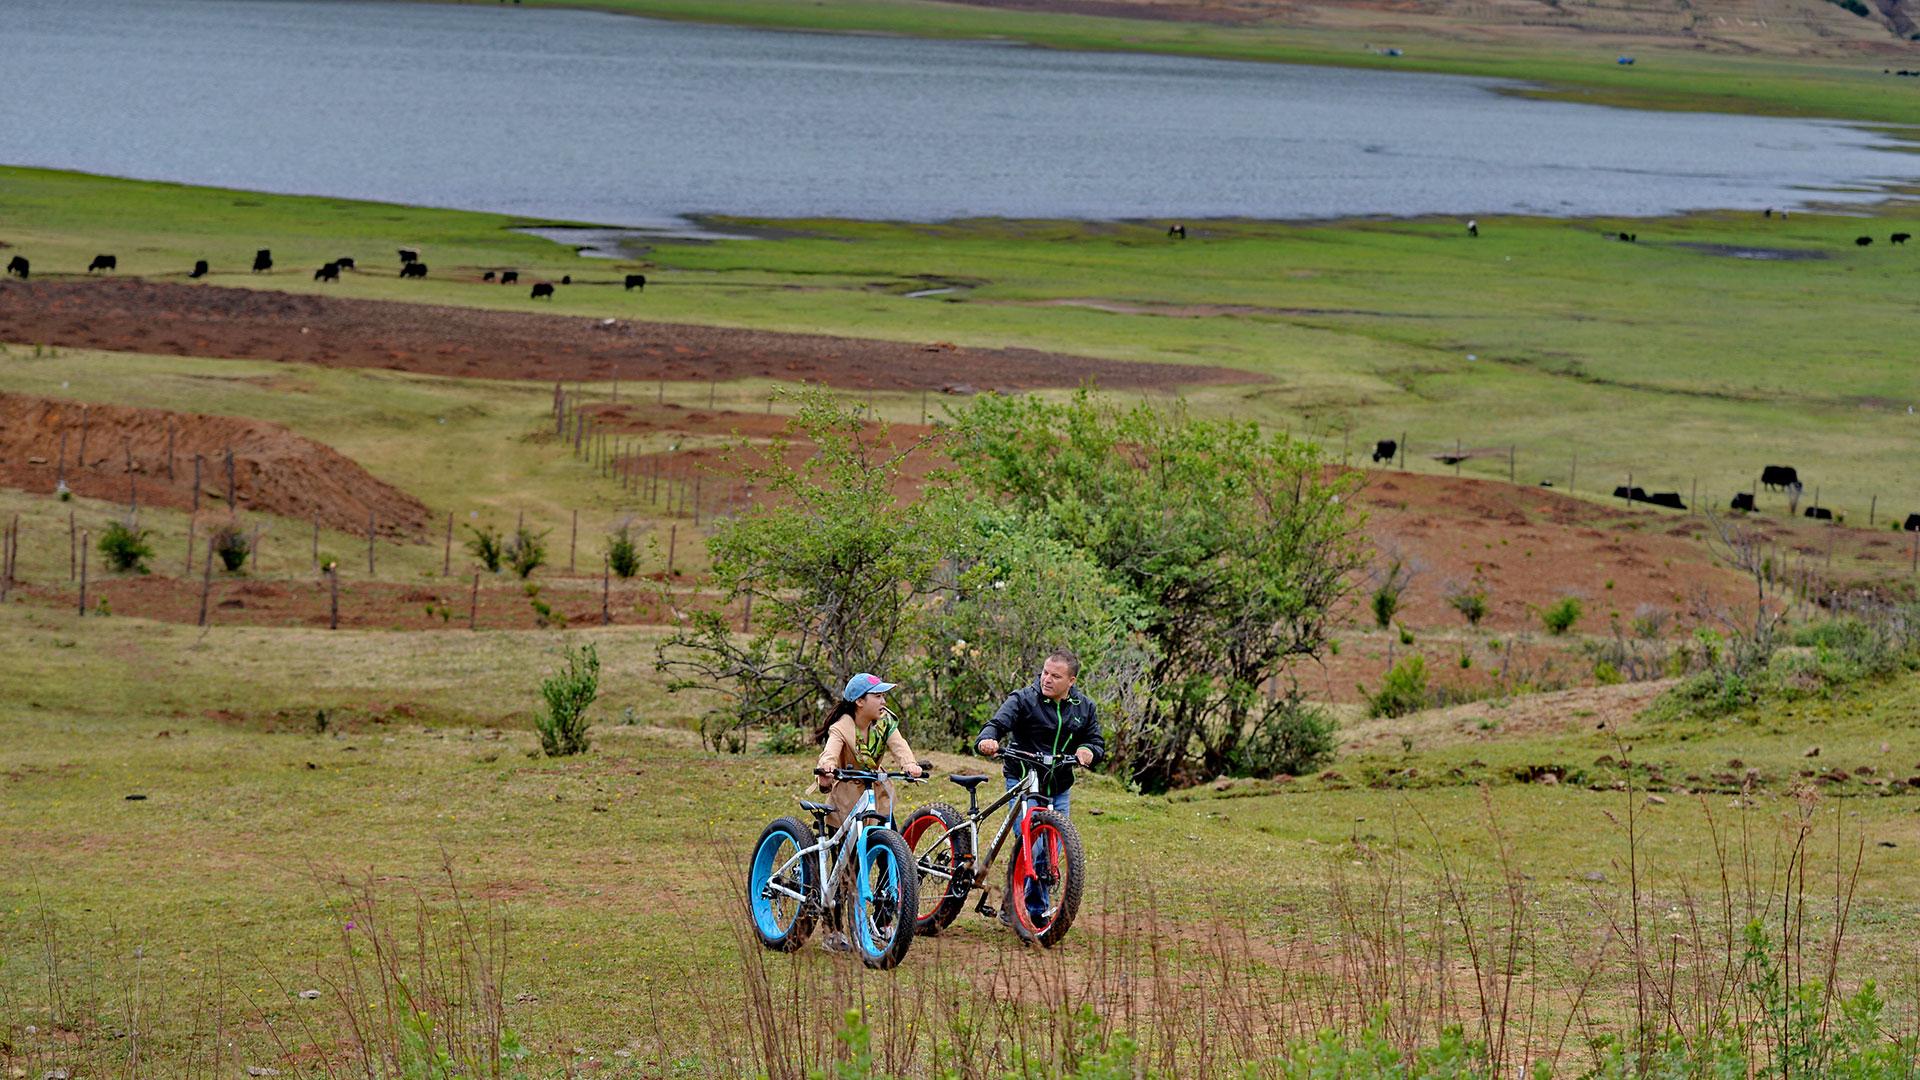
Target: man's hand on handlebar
(989, 747)
(1085, 755)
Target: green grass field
(1678, 364)
(615, 871)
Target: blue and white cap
(863, 684)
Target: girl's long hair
(840, 708)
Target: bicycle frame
(857, 825)
(1026, 788)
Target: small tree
(231, 544)
(1390, 580)
(568, 693)
(1469, 600)
(623, 555)
(1291, 738)
(1560, 618)
(1404, 690)
(125, 548)
(526, 551)
(487, 546)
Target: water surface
(589, 117)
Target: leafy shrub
(1406, 636)
(526, 552)
(1403, 691)
(1291, 738)
(487, 546)
(544, 614)
(1470, 601)
(568, 693)
(1606, 674)
(125, 548)
(230, 543)
(623, 555)
(1560, 618)
(1386, 603)
(784, 739)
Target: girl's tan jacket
(844, 750)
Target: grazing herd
(410, 267)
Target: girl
(857, 730)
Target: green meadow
(1717, 343)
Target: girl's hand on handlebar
(914, 770)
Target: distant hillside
(1777, 27)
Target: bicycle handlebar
(1045, 761)
(873, 776)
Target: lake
(580, 116)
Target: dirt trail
(132, 315)
(113, 452)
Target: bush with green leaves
(125, 548)
(1470, 601)
(1235, 545)
(526, 551)
(487, 546)
(834, 569)
(1561, 615)
(1403, 691)
(231, 544)
(623, 555)
(1291, 738)
(1010, 595)
(568, 693)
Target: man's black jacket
(1028, 720)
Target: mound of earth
(131, 315)
(115, 453)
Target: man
(1046, 717)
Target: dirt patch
(132, 315)
(117, 453)
(1581, 709)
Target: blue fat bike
(859, 879)
(1045, 871)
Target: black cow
(1177, 232)
(18, 267)
(345, 263)
(1899, 238)
(103, 262)
(1630, 494)
(1628, 237)
(509, 277)
(414, 269)
(329, 272)
(542, 288)
(1385, 449)
(1669, 499)
(1913, 523)
(636, 281)
(1773, 477)
(1862, 241)
(262, 261)
(1744, 501)
(566, 279)
(199, 269)
(488, 276)
(1819, 513)
(408, 256)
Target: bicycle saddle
(815, 807)
(969, 782)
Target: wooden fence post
(1456, 457)
(696, 500)
(370, 570)
(606, 589)
(1871, 508)
(673, 540)
(1403, 451)
(333, 596)
(86, 538)
(573, 541)
(230, 492)
(446, 557)
(188, 571)
(80, 460)
(206, 583)
(473, 604)
(1510, 468)
(73, 545)
(196, 484)
(1573, 474)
